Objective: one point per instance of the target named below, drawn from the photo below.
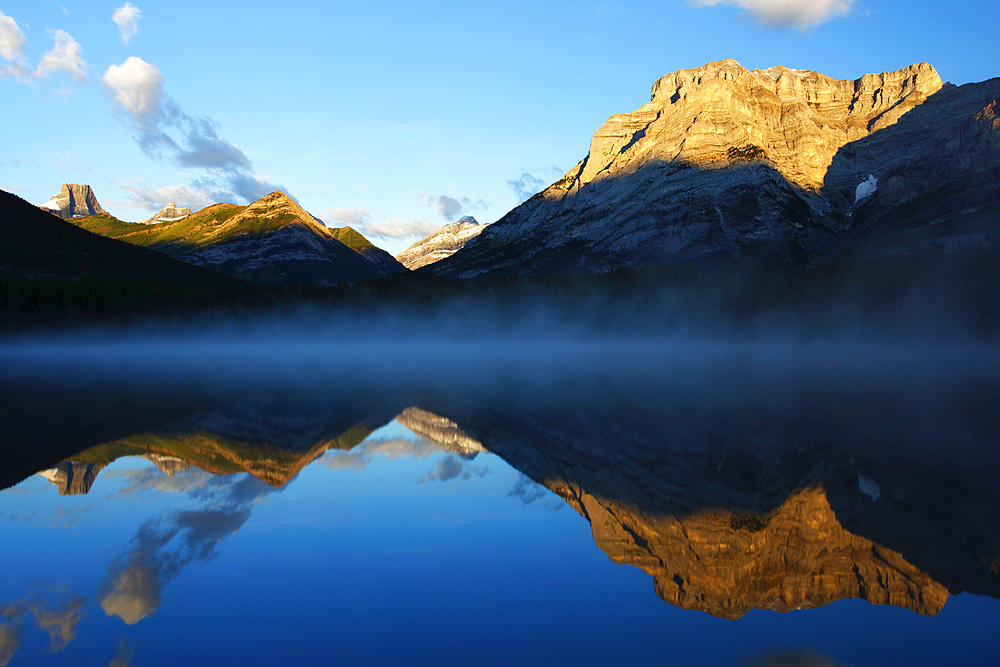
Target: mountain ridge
(271, 241)
(724, 162)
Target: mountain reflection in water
(737, 479)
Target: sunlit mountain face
(582, 496)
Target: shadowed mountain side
(386, 264)
(660, 213)
(272, 241)
(42, 424)
(725, 185)
(938, 173)
(779, 499)
(36, 244)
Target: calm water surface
(571, 503)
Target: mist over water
(891, 447)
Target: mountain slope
(272, 241)
(383, 261)
(36, 244)
(724, 162)
(443, 243)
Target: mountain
(72, 477)
(780, 165)
(443, 243)
(36, 244)
(272, 241)
(439, 431)
(383, 261)
(169, 213)
(730, 509)
(269, 439)
(73, 201)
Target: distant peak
(73, 201)
(467, 218)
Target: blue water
(395, 552)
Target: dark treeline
(937, 293)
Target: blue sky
(392, 117)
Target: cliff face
(72, 477)
(725, 162)
(73, 201)
(795, 119)
(443, 243)
(726, 563)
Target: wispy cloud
(800, 14)
(454, 467)
(124, 656)
(166, 132)
(526, 186)
(451, 208)
(153, 198)
(390, 228)
(69, 161)
(527, 490)
(127, 18)
(10, 640)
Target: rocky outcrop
(73, 201)
(725, 162)
(169, 213)
(726, 562)
(72, 477)
(439, 431)
(443, 243)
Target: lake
(270, 496)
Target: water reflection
(746, 483)
(780, 546)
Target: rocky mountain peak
(73, 201)
(722, 112)
(169, 213)
(443, 243)
(279, 205)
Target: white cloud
(801, 14)
(64, 57)
(390, 228)
(155, 198)
(138, 89)
(139, 96)
(127, 17)
(12, 45)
